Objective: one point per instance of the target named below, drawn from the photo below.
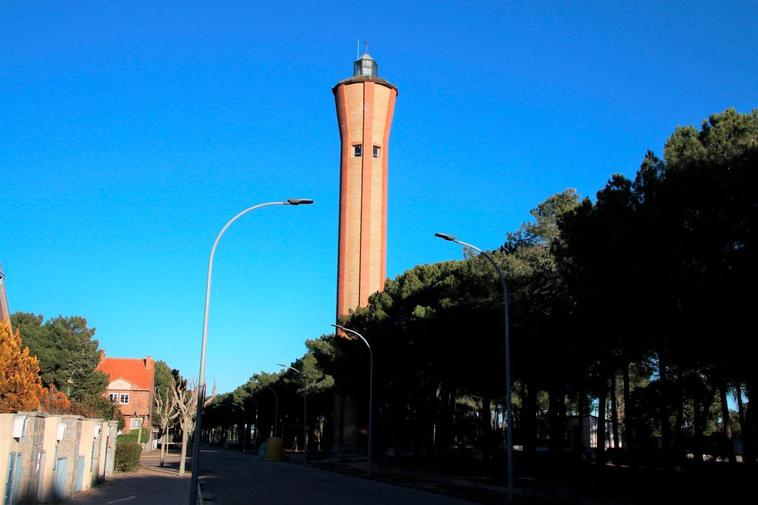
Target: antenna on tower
(365, 46)
(358, 49)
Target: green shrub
(127, 455)
(132, 435)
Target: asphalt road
(234, 478)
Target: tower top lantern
(365, 66)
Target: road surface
(234, 478)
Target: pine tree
(20, 384)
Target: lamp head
(445, 236)
(299, 201)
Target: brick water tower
(365, 104)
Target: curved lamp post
(201, 374)
(370, 388)
(305, 407)
(508, 387)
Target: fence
(45, 459)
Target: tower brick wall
(5, 314)
(365, 106)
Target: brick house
(131, 385)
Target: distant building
(5, 314)
(365, 105)
(131, 386)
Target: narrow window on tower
(357, 151)
(377, 152)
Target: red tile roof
(139, 372)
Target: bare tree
(185, 403)
(165, 407)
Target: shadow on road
(151, 484)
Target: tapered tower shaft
(365, 105)
(5, 314)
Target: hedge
(127, 456)
(132, 435)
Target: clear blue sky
(130, 132)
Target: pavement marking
(120, 500)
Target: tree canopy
(630, 306)
(20, 386)
(67, 352)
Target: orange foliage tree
(53, 401)
(20, 383)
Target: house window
(113, 397)
(377, 151)
(135, 423)
(123, 398)
(357, 151)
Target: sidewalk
(150, 485)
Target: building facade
(365, 106)
(47, 459)
(131, 386)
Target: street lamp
(370, 388)
(201, 374)
(508, 387)
(305, 408)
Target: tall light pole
(305, 408)
(370, 388)
(508, 386)
(201, 374)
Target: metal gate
(14, 474)
(59, 487)
(79, 473)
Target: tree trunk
(557, 403)
(486, 427)
(697, 425)
(665, 421)
(581, 407)
(614, 416)
(749, 432)
(710, 395)
(529, 414)
(445, 419)
(725, 422)
(626, 435)
(601, 412)
(182, 461)
(679, 425)
(163, 448)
